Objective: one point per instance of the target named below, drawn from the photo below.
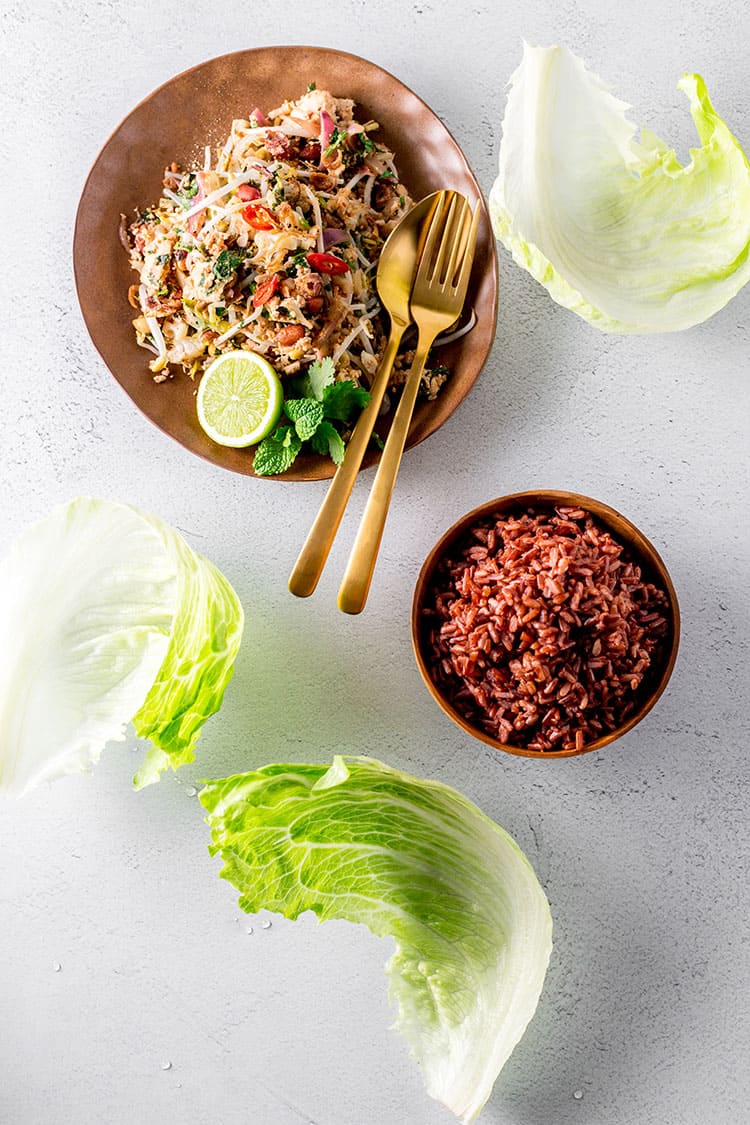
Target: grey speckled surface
(642, 849)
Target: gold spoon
(396, 269)
(437, 298)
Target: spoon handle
(312, 558)
(356, 583)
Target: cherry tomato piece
(327, 263)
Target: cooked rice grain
(541, 629)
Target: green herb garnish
(227, 263)
(318, 377)
(321, 403)
(277, 452)
(337, 138)
(188, 190)
(327, 439)
(306, 413)
(341, 401)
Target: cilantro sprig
(321, 403)
(319, 376)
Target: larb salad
(273, 247)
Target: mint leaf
(342, 400)
(327, 439)
(306, 413)
(319, 375)
(277, 452)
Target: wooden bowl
(175, 123)
(625, 532)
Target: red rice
(542, 630)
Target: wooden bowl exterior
(623, 530)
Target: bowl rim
(420, 429)
(611, 518)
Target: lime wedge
(239, 399)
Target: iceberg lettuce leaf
(413, 860)
(614, 227)
(101, 608)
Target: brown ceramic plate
(197, 108)
(625, 532)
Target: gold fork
(437, 298)
(396, 268)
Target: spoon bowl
(399, 257)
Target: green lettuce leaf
(413, 860)
(615, 228)
(106, 614)
(199, 663)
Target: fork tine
(435, 230)
(462, 281)
(447, 240)
(458, 243)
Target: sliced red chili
(259, 217)
(328, 263)
(265, 291)
(248, 193)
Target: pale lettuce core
(413, 860)
(615, 228)
(106, 615)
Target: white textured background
(642, 848)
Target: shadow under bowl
(623, 531)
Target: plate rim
(290, 475)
